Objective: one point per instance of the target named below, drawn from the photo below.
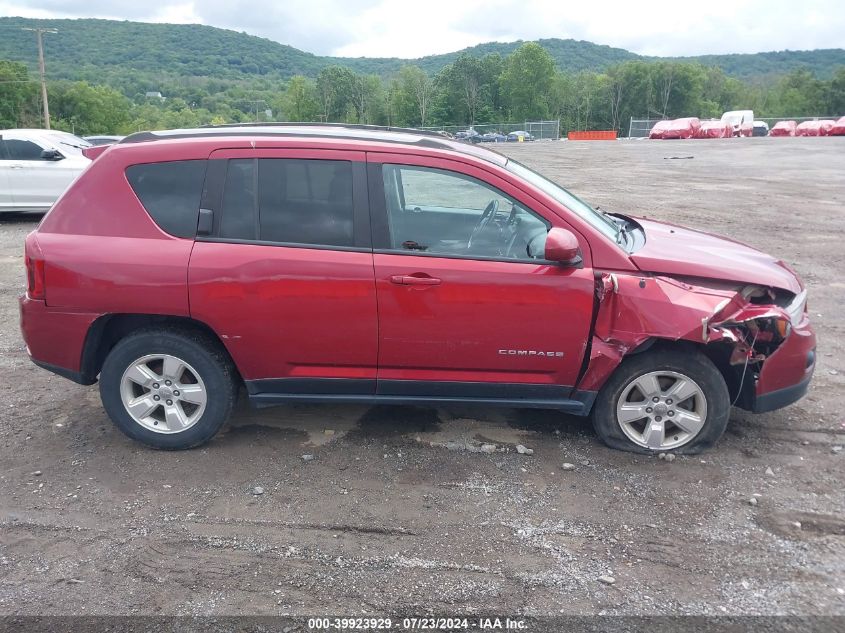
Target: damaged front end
(758, 337)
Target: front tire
(170, 389)
(663, 401)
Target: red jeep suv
(320, 263)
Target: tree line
(524, 86)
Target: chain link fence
(639, 128)
(538, 130)
(543, 130)
(770, 121)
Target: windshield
(598, 220)
(67, 140)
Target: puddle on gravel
(381, 421)
(798, 525)
(548, 422)
(458, 427)
(471, 434)
(318, 424)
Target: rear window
(171, 193)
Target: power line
(39, 36)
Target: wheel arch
(596, 374)
(109, 329)
(687, 357)
(718, 352)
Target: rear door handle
(410, 280)
(17, 166)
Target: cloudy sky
(410, 28)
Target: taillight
(35, 285)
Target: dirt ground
(394, 516)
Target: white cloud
(397, 28)
(182, 13)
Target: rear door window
(171, 193)
(239, 200)
(292, 201)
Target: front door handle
(411, 280)
(16, 166)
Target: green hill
(821, 62)
(142, 54)
(570, 55)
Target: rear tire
(169, 388)
(663, 401)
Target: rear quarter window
(171, 193)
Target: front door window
(444, 213)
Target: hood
(675, 250)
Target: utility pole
(254, 104)
(39, 36)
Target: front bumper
(785, 375)
(773, 400)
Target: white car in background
(36, 166)
(742, 121)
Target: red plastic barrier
(783, 128)
(682, 128)
(659, 129)
(592, 135)
(838, 128)
(714, 129)
(815, 128)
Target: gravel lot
(394, 515)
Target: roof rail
(380, 133)
(346, 126)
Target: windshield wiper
(622, 235)
(617, 223)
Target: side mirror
(51, 154)
(562, 247)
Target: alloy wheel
(163, 393)
(661, 410)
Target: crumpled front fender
(633, 309)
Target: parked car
(470, 136)
(822, 127)
(659, 129)
(102, 140)
(520, 134)
(783, 128)
(493, 137)
(742, 121)
(759, 128)
(686, 127)
(714, 129)
(36, 166)
(353, 264)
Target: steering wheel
(485, 219)
(512, 216)
(534, 241)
